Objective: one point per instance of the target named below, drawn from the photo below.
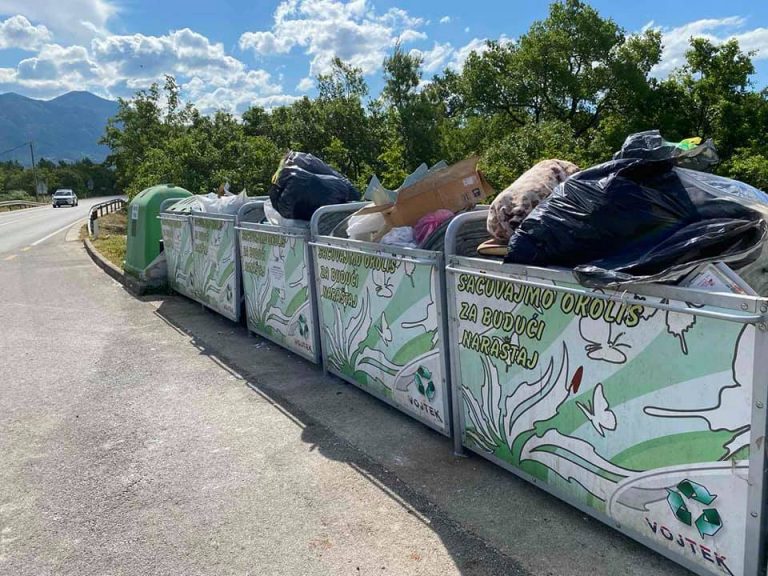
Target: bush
(507, 159)
(748, 166)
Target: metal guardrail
(20, 204)
(103, 209)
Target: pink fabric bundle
(429, 223)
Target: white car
(64, 196)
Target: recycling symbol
(303, 328)
(709, 522)
(424, 383)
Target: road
(150, 437)
(21, 229)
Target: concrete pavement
(22, 229)
(153, 437)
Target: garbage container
(644, 408)
(203, 261)
(144, 233)
(177, 247)
(215, 263)
(279, 279)
(382, 324)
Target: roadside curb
(133, 286)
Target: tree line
(572, 87)
(85, 177)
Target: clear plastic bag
(726, 188)
(272, 215)
(211, 203)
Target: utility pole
(34, 170)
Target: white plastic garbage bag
(363, 226)
(402, 236)
(274, 217)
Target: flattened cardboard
(455, 188)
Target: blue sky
(230, 54)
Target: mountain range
(66, 128)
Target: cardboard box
(456, 188)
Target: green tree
(350, 147)
(411, 113)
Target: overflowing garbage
(635, 220)
(304, 183)
(416, 214)
(220, 202)
(515, 203)
(688, 153)
(651, 214)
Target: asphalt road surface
(21, 229)
(150, 437)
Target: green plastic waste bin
(144, 227)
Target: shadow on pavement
(491, 522)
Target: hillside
(65, 128)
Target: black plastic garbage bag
(650, 145)
(304, 183)
(636, 220)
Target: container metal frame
(735, 308)
(435, 260)
(230, 220)
(243, 224)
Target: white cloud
(182, 52)
(18, 32)
(58, 68)
(466, 30)
(434, 60)
(231, 98)
(411, 36)
(354, 31)
(305, 84)
(445, 56)
(70, 20)
(478, 45)
(265, 43)
(445, 20)
(677, 40)
(119, 65)
(395, 17)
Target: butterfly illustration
(599, 413)
(383, 329)
(601, 344)
(383, 284)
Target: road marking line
(28, 218)
(52, 234)
(26, 248)
(14, 221)
(11, 257)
